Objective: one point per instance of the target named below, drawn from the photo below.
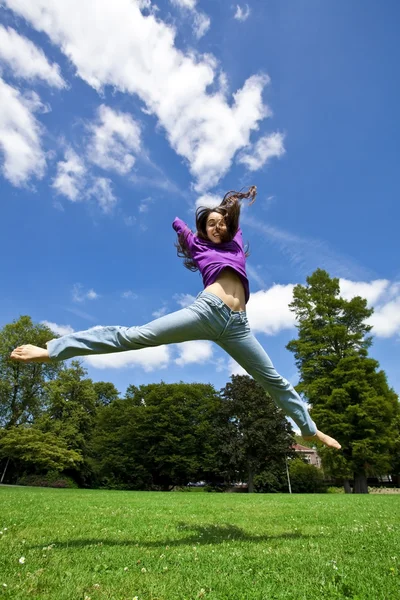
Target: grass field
(79, 544)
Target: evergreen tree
(350, 398)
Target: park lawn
(101, 545)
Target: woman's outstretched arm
(184, 232)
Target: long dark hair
(229, 209)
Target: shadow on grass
(205, 534)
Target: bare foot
(325, 439)
(30, 353)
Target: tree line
(56, 424)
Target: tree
(117, 460)
(71, 410)
(106, 393)
(159, 436)
(22, 385)
(41, 452)
(396, 455)
(257, 437)
(350, 398)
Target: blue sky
(117, 117)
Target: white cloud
(189, 4)
(160, 313)
(386, 319)
(144, 205)
(184, 299)
(148, 359)
(79, 295)
(201, 22)
(147, 5)
(198, 351)
(384, 297)
(101, 191)
(220, 364)
(69, 180)
(80, 313)
(58, 329)
(268, 310)
(242, 14)
(235, 369)
(114, 137)
(265, 148)
(26, 60)
(92, 295)
(20, 135)
(305, 253)
(254, 274)
(129, 294)
(372, 291)
(116, 45)
(129, 220)
(208, 201)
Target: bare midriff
(229, 288)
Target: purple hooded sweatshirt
(212, 258)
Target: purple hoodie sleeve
(181, 227)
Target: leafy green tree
(396, 455)
(28, 447)
(71, 410)
(160, 435)
(350, 398)
(257, 438)
(116, 456)
(106, 393)
(22, 384)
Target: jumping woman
(218, 313)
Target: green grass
(169, 546)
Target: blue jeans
(208, 318)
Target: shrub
(305, 478)
(271, 482)
(51, 479)
(214, 487)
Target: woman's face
(216, 228)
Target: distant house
(309, 454)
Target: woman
(218, 313)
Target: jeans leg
(248, 352)
(194, 322)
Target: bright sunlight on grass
(81, 544)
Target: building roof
(300, 448)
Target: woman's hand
(253, 194)
(232, 198)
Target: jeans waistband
(216, 301)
